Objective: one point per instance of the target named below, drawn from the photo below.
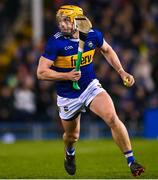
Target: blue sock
(129, 156)
(70, 151)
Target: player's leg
(71, 131)
(103, 106)
(70, 136)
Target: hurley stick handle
(79, 59)
(79, 54)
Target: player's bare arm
(114, 61)
(44, 72)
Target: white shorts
(68, 108)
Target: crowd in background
(130, 27)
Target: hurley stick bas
(83, 25)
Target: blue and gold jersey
(63, 52)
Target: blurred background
(28, 106)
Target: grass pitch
(95, 159)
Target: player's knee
(71, 137)
(76, 137)
(111, 119)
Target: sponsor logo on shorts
(99, 85)
(66, 109)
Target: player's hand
(128, 79)
(74, 75)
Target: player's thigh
(73, 126)
(103, 106)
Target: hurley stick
(83, 25)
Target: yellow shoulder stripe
(70, 61)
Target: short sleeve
(99, 38)
(50, 51)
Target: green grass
(95, 159)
